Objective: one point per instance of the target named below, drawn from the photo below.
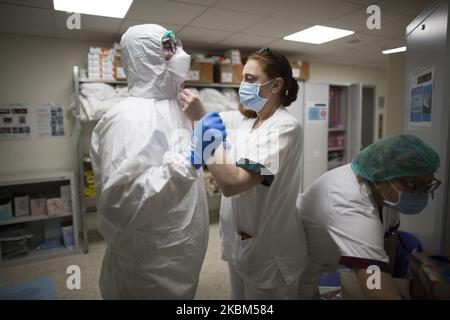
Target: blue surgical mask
(408, 203)
(249, 96)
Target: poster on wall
(14, 122)
(50, 120)
(317, 111)
(421, 98)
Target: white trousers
(242, 290)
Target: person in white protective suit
(151, 199)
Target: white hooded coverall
(151, 200)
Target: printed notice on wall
(50, 120)
(14, 122)
(317, 111)
(421, 98)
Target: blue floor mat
(330, 279)
(36, 289)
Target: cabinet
(54, 230)
(330, 115)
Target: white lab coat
(266, 212)
(343, 227)
(150, 199)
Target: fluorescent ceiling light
(395, 50)
(105, 8)
(318, 34)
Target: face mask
(249, 96)
(179, 64)
(408, 203)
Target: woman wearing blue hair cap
(351, 213)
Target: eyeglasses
(429, 188)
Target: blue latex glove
(209, 133)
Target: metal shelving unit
(87, 204)
(29, 183)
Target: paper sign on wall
(317, 111)
(14, 122)
(421, 98)
(50, 120)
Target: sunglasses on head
(266, 50)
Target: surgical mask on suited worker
(179, 65)
(408, 203)
(249, 96)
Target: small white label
(227, 77)
(194, 75)
(296, 72)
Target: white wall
(39, 69)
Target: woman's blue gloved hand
(208, 135)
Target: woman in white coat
(259, 175)
(351, 213)
(151, 200)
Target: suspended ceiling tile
(247, 41)
(128, 23)
(410, 7)
(20, 15)
(202, 35)
(258, 7)
(275, 28)
(316, 11)
(225, 20)
(163, 11)
(197, 2)
(46, 4)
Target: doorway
(368, 113)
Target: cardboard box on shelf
(65, 192)
(99, 50)
(300, 70)
(38, 206)
(228, 73)
(201, 72)
(234, 56)
(104, 64)
(429, 275)
(55, 207)
(119, 73)
(21, 205)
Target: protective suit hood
(143, 61)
